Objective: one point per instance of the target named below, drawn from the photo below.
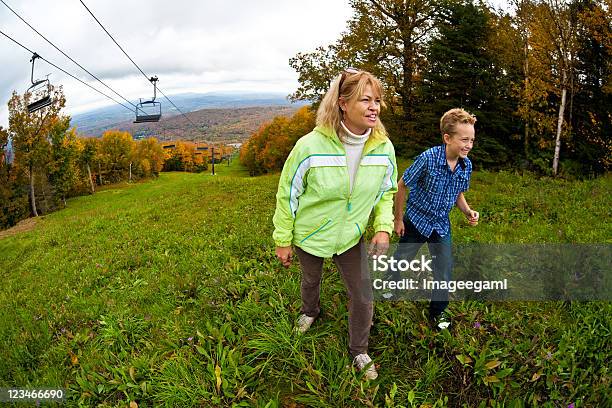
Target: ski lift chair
(40, 90)
(149, 111)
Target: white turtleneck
(353, 144)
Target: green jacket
(314, 208)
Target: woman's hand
(379, 244)
(284, 254)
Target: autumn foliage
(49, 162)
(267, 149)
(183, 156)
(536, 73)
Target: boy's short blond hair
(452, 118)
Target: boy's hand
(399, 227)
(379, 244)
(472, 217)
(284, 255)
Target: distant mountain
(228, 125)
(95, 122)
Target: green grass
(168, 293)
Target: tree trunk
(91, 183)
(130, 172)
(526, 73)
(408, 69)
(526, 145)
(559, 127)
(32, 197)
(100, 173)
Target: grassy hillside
(168, 293)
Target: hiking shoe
(304, 322)
(363, 361)
(388, 296)
(442, 321)
(392, 295)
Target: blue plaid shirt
(434, 189)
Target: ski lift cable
(176, 107)
(84, 83)
(66, 55)
(172, 133)
(112, 38)
(65, 72)
(136, 65)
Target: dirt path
(22, 226)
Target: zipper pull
(349, 206)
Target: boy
(437, 180)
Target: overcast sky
(192, 46)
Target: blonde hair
(452, 118)
(329, 113)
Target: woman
(332, 180)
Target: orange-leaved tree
(30, 133)
(267, 149)
(116, 154)
(149, 158)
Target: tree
(466, 69)
(150, 156)
(88, 155)
(520, 47)
(268, 148)
(13, 199)
(4, 138)
(184, 157)
(30, 133)
(385, 37)
(64, 173)
(116, 154)
(554, 45)
(590, 119)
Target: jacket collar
(371, 144)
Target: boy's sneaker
(304, 322)
(364, 361)
(442, 321)
(388, 295)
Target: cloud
(191, 45)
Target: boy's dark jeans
(442, 261)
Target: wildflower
(548, 355)
(477, 325)
(571, 405)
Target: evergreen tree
(462, 71)
(13, 195)
(591, 143)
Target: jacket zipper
(317, 230)
(349, 205)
